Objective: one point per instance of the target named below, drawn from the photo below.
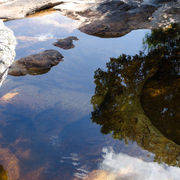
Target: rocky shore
(111, 18)
(103, 18)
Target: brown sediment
(42, 13)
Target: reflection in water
(124, 167)
(3, 173)
(43, 135)
(160, 95)
(41, 13)
(160, 101)
(32, 33)
(116, 102)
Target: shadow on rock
(117, 100)
(66, 43)
(35, 64)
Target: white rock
(7, 50)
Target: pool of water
(46, 129)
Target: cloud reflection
(124, 166)
(55, 20)
(36, 38)
(44, 36)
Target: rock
(103, 18)
(110, 18)
(14, 9)
(66, 43)
(7, 50)
(35, 64)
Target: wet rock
(13, 9)
(111, 18)
(66, 43)
(35, 64)
(7, 50)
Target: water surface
(45, 126)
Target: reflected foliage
(116, 102)
(3, 173)
(160, 95)
(167, 41)
(123, 77)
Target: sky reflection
(46, 119)
(127, 167)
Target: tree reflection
(160, 94)
(3, 173)
(116, 102)
(167, 41)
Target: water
(45, 128)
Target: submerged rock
(66, 43)
(35, 64)
(7, 50)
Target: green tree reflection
(116, 102)
(3, 173)
(167, 41)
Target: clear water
(45, 123)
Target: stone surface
(7, 50)
(103, 18)
(66, 43)
(14, 9)
(35, 64)
(117, 18)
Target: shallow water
(45, 124)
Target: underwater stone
(66, 43)
(35, 64)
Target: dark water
(46, 129)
